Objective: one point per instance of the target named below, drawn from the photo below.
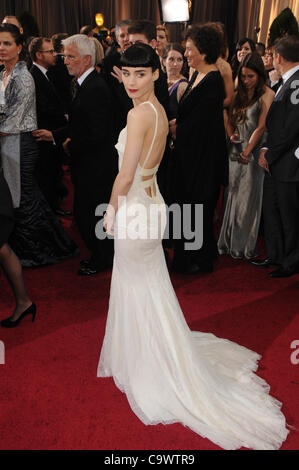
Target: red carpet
(50, 397)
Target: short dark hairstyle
(57, 41)
(14, 31)
(140, 55)
(207, 40)
(148, 28)
(220, 28)
(288, 48)
(35, 46)
(120, 24)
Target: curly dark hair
(220, 28)
(242, 102)
(207, 40)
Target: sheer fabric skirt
(171, 374)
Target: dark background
(57, 16)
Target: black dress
(38, 237)
(6, 211)
(200, 164)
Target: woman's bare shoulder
(223, 67)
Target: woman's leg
(13, 271)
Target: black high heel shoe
(8, 323)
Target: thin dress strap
(155, 134)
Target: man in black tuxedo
(93, 156)
(280, 159)
(121, 103)
(50, 115)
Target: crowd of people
(232, 124)
(224, 128)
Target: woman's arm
(256, 136)
(138, 123)
(181, 90)
(228, 85)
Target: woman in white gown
(169, 373)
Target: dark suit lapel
(286, 85)
(45, 81)
(81, 87)
(282, 91)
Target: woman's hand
(43, 135)
(235, 138)
(109, 219)
(244, 157)
(117, 73)
(65, 147)
(172, 128)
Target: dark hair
(261, 45)
(35, 46)
(148, 28)
(220, 28)
(57, 41)
(175, 46)
(234, 62)
(14, 31)
(288, 48)
(140, 55)
(243, 41)
(86, 29)
(252, 61)
(207, 40)
(120, 24)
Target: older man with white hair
(93, 156)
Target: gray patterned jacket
(18, 115)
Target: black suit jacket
(283, 132)
(49, 108)
(93, 156)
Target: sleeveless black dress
(6, 210)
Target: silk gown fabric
(169, 373)
(243, 208)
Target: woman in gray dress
(246, 126)
(38, 237)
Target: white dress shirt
(81, 79)
(42, 69)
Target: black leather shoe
(283, 272)
(85, 263)
(263, 263)
(92, 271)
(8, 323)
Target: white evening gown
(169, 373)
